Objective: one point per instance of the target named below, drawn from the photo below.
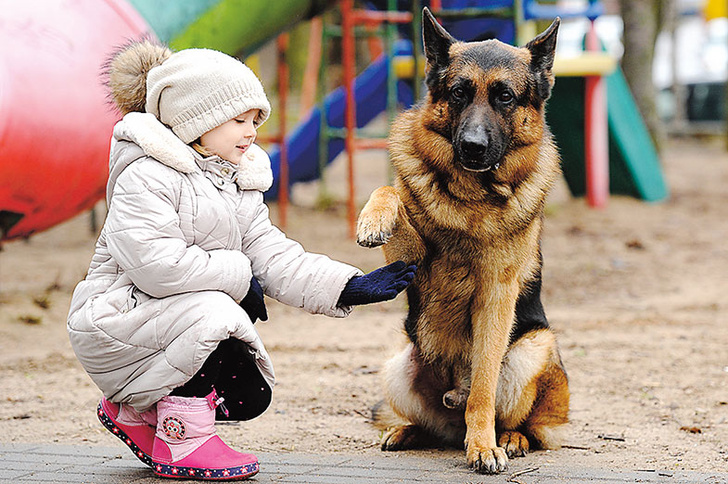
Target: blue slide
(370, 92)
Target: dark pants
(232, 372)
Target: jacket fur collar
(159, 142)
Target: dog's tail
(384, 417)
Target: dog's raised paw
(515, 443)
(373, 239)
(487, 461)
(378, 217)
(373, 231)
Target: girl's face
(232, 138)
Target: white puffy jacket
(182, 239)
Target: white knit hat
(196, 90)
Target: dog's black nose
(473, 147)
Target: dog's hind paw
(403, 437)
(515, 443)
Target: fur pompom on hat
(127, 74)
(191, 91)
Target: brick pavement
(53, 463)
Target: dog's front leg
(384, 221)
(493, 314)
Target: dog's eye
(458, 93)
(505, 97)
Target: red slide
(55, 122)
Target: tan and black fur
(473, 165)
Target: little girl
(163, 322)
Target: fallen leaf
(42, 302)
(30, 319)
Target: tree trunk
(641, 25)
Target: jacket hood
(159, 142)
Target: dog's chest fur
(475, 231)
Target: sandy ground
(636, 293)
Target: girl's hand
(382, 284)
(253, 302)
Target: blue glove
(382, 284)
(253, 303)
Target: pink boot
(135, 429)
(186, 446)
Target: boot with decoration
(135, 429)
(186, 445)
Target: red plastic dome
(55, 120)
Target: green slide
(634, 167)
(230, 26)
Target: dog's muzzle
(478, 167)
(474, 151)
(475, 158)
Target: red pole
(348, 61)
(596, 133)
(282, 42)
(313, 62)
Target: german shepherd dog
(473, 165)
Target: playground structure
(605, 135)
(604, 144)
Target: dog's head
(489, 96)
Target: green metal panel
(565, 117)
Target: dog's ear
(437, 42)
(436, 39)
(542, 49)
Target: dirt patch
(636, 293)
